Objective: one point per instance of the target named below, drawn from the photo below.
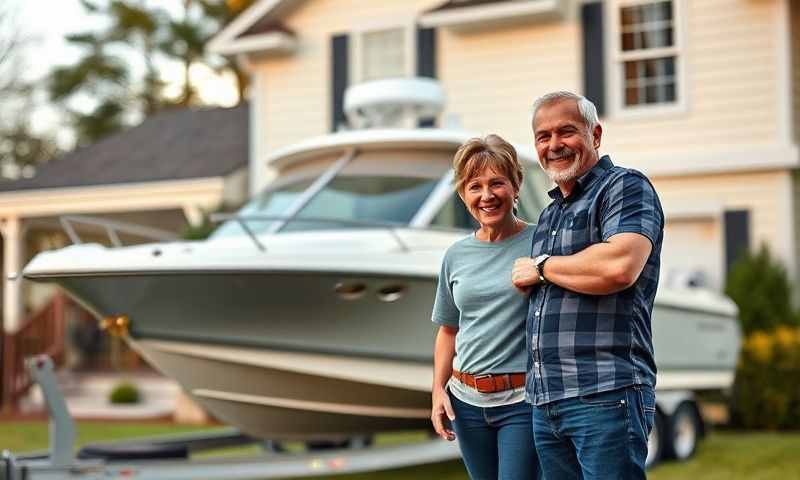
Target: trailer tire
(656, 441)
(685, 431)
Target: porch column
(13, 253)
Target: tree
(21, 148)
(760, 286)
(137, 33)
(101, 76)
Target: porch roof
(173, 145)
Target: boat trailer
(167, 458)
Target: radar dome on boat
(393, 102)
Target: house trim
(745, 158)
(470, 16)
(266, 43)
(225, 41)
(784, 96)
(205, 193)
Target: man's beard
(563, 175)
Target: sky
(47, 48)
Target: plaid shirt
(581, 344)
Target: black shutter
(737, 235)
(339, 78)
(594, 79)
(426, 61)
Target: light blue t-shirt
(475, 294)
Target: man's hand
(441, 408)
(524, 276)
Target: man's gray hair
(585, 106)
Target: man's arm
(600, 269)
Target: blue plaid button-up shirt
(580, 344)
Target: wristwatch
(539, 262)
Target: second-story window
(647, 52)
(383, 54)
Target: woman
(481, 318)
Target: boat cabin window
(454, 214)
(271, 202)
(363, 198)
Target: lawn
(723, 455)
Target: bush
(760, 287)
(125, 393)
(766, 392)
(198, 232)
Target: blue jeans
(598, 436)
(496, 442)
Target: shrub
(766, 392)
(760, 287)
(125, 393)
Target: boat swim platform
(167, 458)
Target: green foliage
(760, 287)
(124, 393)
(140, 33)
(766, 393)
(199, 232)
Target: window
(384, 53)
(647, 53)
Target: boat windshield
(363, 198)
(355, 200)
(271, 202)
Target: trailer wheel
(656, 441)
(685, 429)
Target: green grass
(722, 455)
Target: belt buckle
(481, 377)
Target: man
(591, 373)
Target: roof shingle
(172, 145)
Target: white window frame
(409, 27)
(615, 64)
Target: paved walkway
(87, 396)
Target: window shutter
(594, 79)
(339, 79)
(426, 61)
(737, 235)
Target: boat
(306, 315)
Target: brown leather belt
(491, 383)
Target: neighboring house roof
(172, 145)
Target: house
(703, 96)
(164, 174)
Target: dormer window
(646, 46)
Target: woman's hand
(524, 275)
(441, 408)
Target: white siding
(731, 60)
(492, 77)
(763, 194)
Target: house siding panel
(763, 194)
(731, 63)
(492, 76)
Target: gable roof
(172, 145)
(262, 12)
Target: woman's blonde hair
(478, 153)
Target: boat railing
(112, 228)
(390, 227)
